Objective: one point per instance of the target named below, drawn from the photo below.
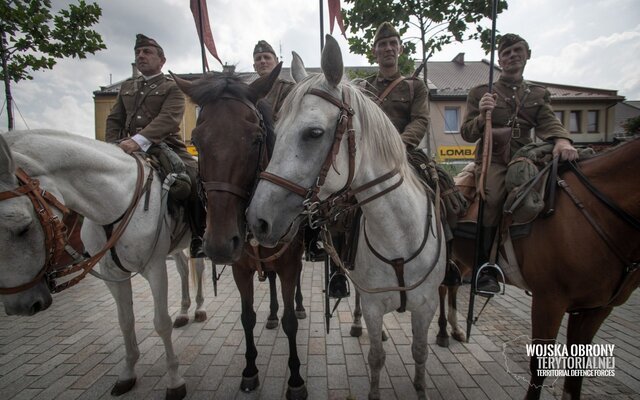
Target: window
(574, 122)
(452, 119)
(592, 121)
(560, 116)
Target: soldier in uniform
(146, 118)
(403, 100)
(517, 107)
(264, 61)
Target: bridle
(320, 212)
(57, 234)
(242, 193)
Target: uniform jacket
(278, 93)
(152, 108)
(534, 112)
(406, 106)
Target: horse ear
(298, 71)
(7, 165)
(331, 61)
(183, 84)
(261, 86)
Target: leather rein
(320, 212)
(57, 234)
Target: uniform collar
(382, 79)
(510, 82)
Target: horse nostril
(36, 308)
(263, 226)
(235, 242)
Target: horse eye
(24, 230)
(315, 132)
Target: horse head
(22, 242)
(304, 144)
(233, 136)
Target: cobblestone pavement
(74, 350)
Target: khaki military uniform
(520, 107)
(277, 94)
(152, 108)
(405, 105)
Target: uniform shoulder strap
(389, 88)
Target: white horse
(400, 225)
(193, 268)
(97, 180)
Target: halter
(56, 234)
(320, 212)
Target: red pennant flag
(335, 14)
(201, 17)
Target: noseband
(320, 212)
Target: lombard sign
(446, 153)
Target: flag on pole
(201, 17)
(335, 15)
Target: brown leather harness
(58, 242)
(219, 186)
(321, 212)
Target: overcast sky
(593, 43)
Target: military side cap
(263, 47)
(385, 30)
(142, 41)
(509, 39)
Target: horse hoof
(178, 393)
(180, 321)
(297, 393)
(301, 314)
(272, 323)
(460, 337)
(249, 384)
(374, 396)
(442, 341)
(200, 316)
(384, 336)
(356, 331)
(122, 387)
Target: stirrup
(347, 287)
(487, 267)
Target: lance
(486, 159)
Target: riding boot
(338, 285)
(197, 217)
(487, 281)
(313, 252)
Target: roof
(447, 80)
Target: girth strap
(398, 267)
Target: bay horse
(583, 259)
(234, 137)
(399, 230)
(98, 181)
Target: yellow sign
(456, 152)
(192, 150)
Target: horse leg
(356, 327)
(301, 313)
(272, 320)
(546, 316)
(244, 281)
(183, 271)
(376, 356)
(158, 282)
(420, 320)
(581, 330)
(123, 295)
(297, 389)
(452, 315)
(198, 272)
(442, 338)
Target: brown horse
(582, 260)
(234, 136)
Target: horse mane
(381, 140)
